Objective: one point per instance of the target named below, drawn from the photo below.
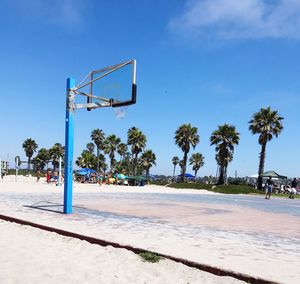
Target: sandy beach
(30, 255)
(203, 227)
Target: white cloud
(229, 19)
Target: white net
(120, 112)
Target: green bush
(237, 189)
(159, 182)
(150, 257)
(229, 189)
(192, 185)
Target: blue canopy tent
(84, 171)
(187, 175)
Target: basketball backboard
(113, 86)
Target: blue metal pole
(69, 143)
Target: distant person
(100, 179)
(38, 176)
(117, 177)
(270, 185)
(48, 176)
(293, 188)
(55, 177)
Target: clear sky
(204, 62)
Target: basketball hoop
(112, 86)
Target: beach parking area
(244, 234)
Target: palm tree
(148, 159)
(197, 161)
(91, 147)
(104, 168)
(185, 137)
(122, 149)
(98, 138)
(86, 160)
(41, 159)
(266, 123)
(110, 147)
(29, 146)
(175, 162)
(101, 161)
(225, 138)
(56, 151)
(125, 164)
(137, 139)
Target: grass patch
(159, 182)
(227, 189)
(150, 257)
(237, 189)
(192, 185)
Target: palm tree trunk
(147, 173)
(261, 165)
(196, 175)
(184, 167)
(221, 176)
(98, 170)
(29, 161)
(174, 171)
(132, 163)
(111, 165)
(225, 175)
(217, 172)
(134, 167)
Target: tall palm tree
(30, 147)
(98, 138)
(110, 147)
(101, 161)
(148, 159)
(56, 151)
(266, 123)
(86, 160)
(175, 162)
(104, 168)
(41, 159)
(225, 138)
(126, 164)
(186, 137)
(122, 149)
(91, 147)
(137, 139)
(197, 161)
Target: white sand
(30, 255)
(241, 239)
